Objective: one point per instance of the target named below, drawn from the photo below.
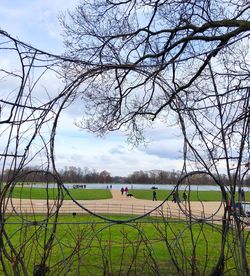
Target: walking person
(174, 197)
(184, 196)
(154, 196)
(122, 190)
(126, 190)
(242, 195)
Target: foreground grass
(193, 195)
(85, 245)
(42, 193)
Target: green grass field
(95, 194)
(193, 195)
(84, 245)
(42, 193)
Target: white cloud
(81, 149)
(35, 22)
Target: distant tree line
(69, 174)
(172, 177)
(73, 174)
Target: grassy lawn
(92, 194)
(78, 194)
(193, 196)
(85, 245)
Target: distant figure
(242, 195)
(126, 190)
(84, 186)
(184, 196)
(110, 186)
(174, 197)
(154, 195)
(107, 187)
(122, 190)
(229, 206)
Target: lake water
(135, 186)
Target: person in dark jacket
(154, 196)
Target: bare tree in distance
(182, 62)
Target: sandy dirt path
(116, 194)
(209, 207)
(119, 204)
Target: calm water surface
(135, 186)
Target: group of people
(109, 186)
(124, 190)
(176, 197)
(154, 196)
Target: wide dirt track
(120, 204)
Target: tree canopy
(144, 56)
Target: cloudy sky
(36, 23)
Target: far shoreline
(132, 186)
